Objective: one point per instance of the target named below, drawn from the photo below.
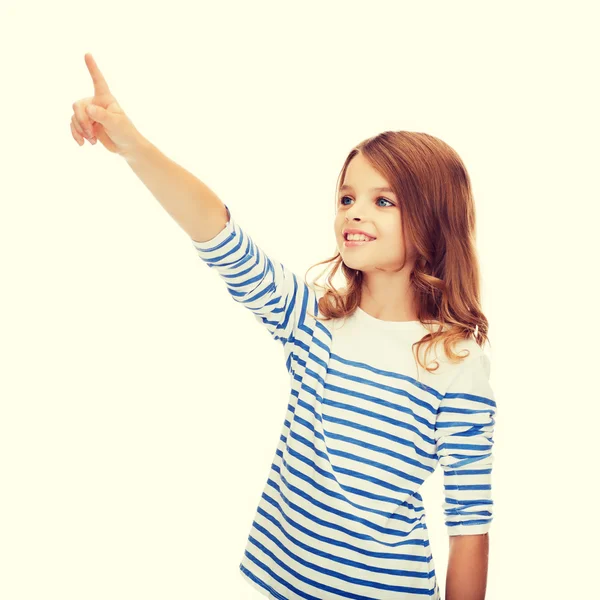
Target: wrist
(137, 150)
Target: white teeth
(356, 237)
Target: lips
(352, 243)
(359, 232)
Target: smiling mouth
(349, 243)
(369, 238)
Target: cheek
(338, 226)
(392, 246)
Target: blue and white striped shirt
(341, 515)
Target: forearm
(466, 578)
(191, 203)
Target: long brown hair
(438, 216)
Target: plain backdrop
(141, 406)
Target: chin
(353, 266)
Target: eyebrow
(375, 189)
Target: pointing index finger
(100, 85)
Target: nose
(352, 214)
(354, 219)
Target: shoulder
(472, 362)
(470, 379)
(473, 358)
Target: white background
(141, 406)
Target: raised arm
(194, 206)
(275, 295)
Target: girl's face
(376, 212)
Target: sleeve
(464, 440)
(256, 280)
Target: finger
(77, 126)
(91, 139)
(82, 121)
(76, 135)
(100, 85)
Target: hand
(101, 117)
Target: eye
(379, 198)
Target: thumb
(97, 113)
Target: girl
(369, 418)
